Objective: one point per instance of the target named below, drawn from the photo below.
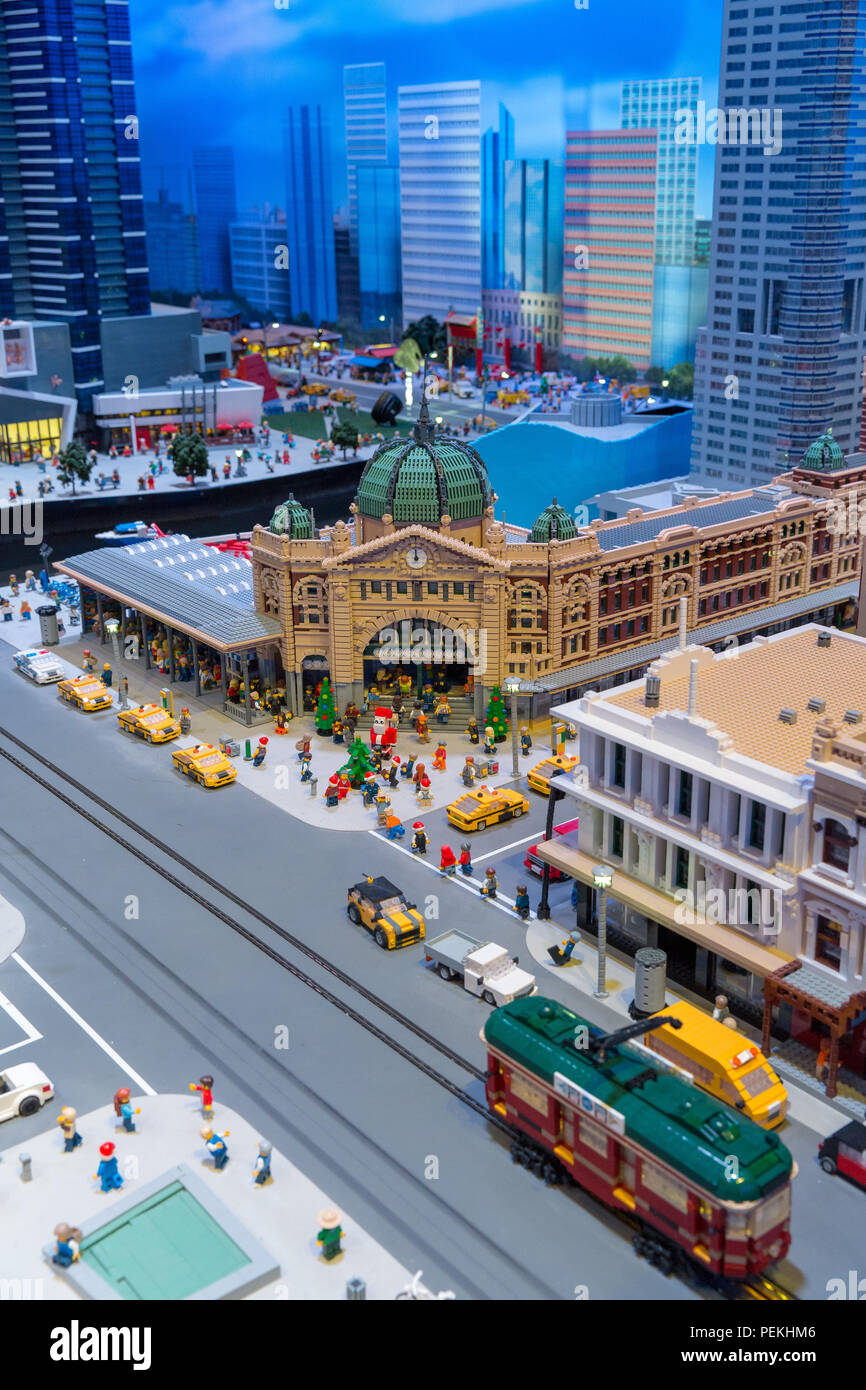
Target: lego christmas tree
(496, 718)
(359, 764)
(325, 712)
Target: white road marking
(471, 885)
(31, 1034)
(537, 836)
(91, 1032)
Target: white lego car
(23, 1089)
(39, 665)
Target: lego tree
(359, 764)
(188, 453)
(496, 718)
(325, 711)
(73, 464)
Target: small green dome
(422, 479)
(824, 454)
(554, 524)
(292, 520)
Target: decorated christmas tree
(496, 718)
(325, 711)
(359, 764)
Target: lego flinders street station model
(424, 584)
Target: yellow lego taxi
(342, 396)
(478, 809)
(558, 765)
(86, 692)
(205, 763)
(721, 1061)
(151, 722)
(315, 388)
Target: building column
(195, 666)
(99, 617)
(224, 679)
(169, 637)
(142, 621)
(245, 667)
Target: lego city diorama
(433, 662)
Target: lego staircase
(462, 709)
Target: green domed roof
(824, 454)
(554, 524)
(292, 520)
(423, 479)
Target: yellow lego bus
(722, 1062)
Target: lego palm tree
(325, 711)
(359, 764)
(496, 718)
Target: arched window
(311, 602)
(837, 845)
(526, 606)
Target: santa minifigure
(383, 734)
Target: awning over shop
(369, 363)
(658, 907)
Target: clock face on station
(416, 558)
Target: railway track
(759, 1288)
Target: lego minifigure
(337, 735)
(67, 1239)
(262, 1165)
(424, 792)
(427, 697)
(205, 1085)
(720, 1010)
(13, 585)
(260, 752)
(489, 741)
(421, 728)
(344, 786)
(521, 902)
(472, 731)
(465, 860)
(447, 862)
(330, 1234)
(185, 721)
(107, 676)
(107, 1173)
(420, 840)
(306, 768)
(560, 955)
(303, 746)
(123, 1109)
(66, 1120)
(394, 771)
(25, 612)
(822, 1065)
(395, 828)
(331, 793)
(216, 1145)
(490, 884)
(468, 774)
(525, 740)
(29, 580)
(418, 774)
(369, 789)
(383, 734)
(383, 804)
(409, 766)
(443, 710)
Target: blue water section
(531, 462)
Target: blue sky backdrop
(221, 72)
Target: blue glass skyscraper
(534, 193)
(378, 230)
(496, 147)
(310, 214)
(72, 237)
(216, 209)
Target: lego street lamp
(512, 685)
(112, 627)
(390, 324)
(602, 877)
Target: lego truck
(485, 968)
